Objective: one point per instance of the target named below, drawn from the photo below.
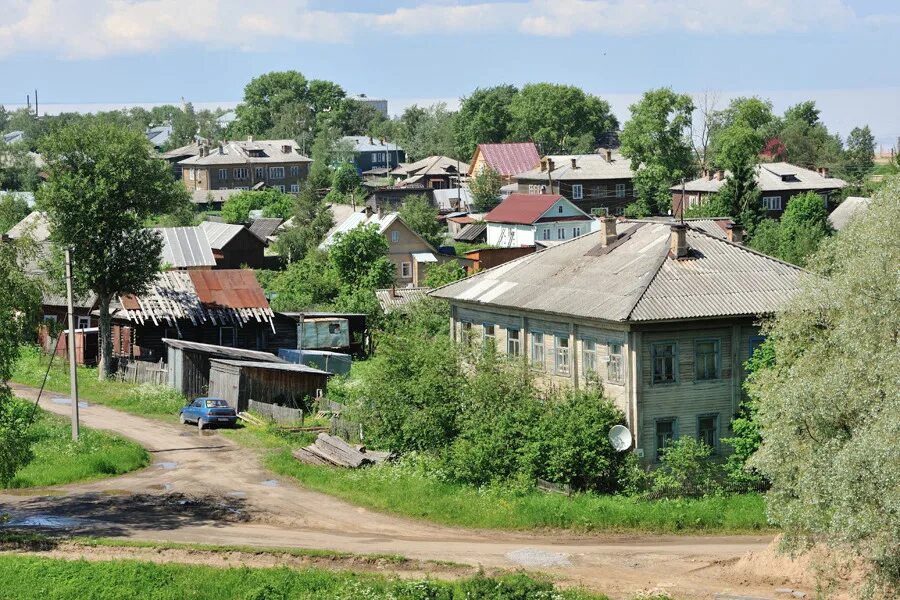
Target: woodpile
(329, 450)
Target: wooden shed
(237, 381)
(189, 363)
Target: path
(204, 488)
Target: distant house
(523, 218)
(473, 233)
(778, 182)
(488, 258)
(13, 136)
(186, 248)
(410, 254)
(266, 228)
(224, 308)
(159, 135)
(452, 200)
(176, 155)
(593, 182)
(379, 104)
(234, 246)
(390, 198)
(246, 165)
(661, 315)
(370, 153)
(848, 209)
(433, 172)
(211, 199)
(226, 119)
(507, 159)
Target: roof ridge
(748, 249)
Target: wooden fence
(348, 430)
(283, 415)
(141, 371)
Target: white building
(523, 219)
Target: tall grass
(58, 459)
(410, 490)
(27, 578)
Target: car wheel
(182, 419)
(200, 424)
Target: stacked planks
(329, 450)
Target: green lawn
(144, 400)
(27, 577)
(58, 460)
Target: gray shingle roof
(771, 177)
(265, 227)
(635, 279)
(850, 207)
(241, 153)
(587, 166)
(35, 225)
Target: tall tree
(418, 213)
(265, 99)
(827, 409)
(427, 131)
(485, 189)
(804, 225)
(860, 155)
(13, 208)
(655, 139)
(560, 118)
(484, 117)
(103, 186)
(752, 118)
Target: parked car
(206, 412)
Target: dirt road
(203, 488)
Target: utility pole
(73, 371)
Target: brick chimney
(574, 163)
(823, 171)
(608, 233)
(543, 165)
(720, 175)
(678, 241)
(550, 165)
(608, 155)
(368, 211)
(735, 233)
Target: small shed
(333, 362)
(324, 332)
(189, 363)
(237, 381)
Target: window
(488, 334)
(576, 231)
(589, 357)
(513, 345)
(50, 318)
(693, 201)
(260, 172)
(242, 188)
(706, 359)
(223, 173)
(295, 171)
(83, 322)
(241, 173)
(772, 202)
(665, 435)
(559, 209)
(378, 157)
(405, 270)
(295, 188)
(546, 235)
(395, 237)
(755, 342)
(280, 188)
(465, 333)
(561, 233)
(537, 350)
(226, 336)
(664, 362)
(561, 347)
(192, 174)
(615, 373)
(708, 431)
(620, 190)
(534, 189)
(577, 193)
(276, 172)
(334, 328)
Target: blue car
(206, 412)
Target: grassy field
(144, 400)
(58, 460)
(27, 577)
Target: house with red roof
(507, 159)
(523, 219)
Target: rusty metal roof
(232, 288)
(635, 279)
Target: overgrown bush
(686, 470)
(152, 400)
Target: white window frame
(577, 191)
(562, 356)
(295, 188)
(485, 336)
(513, 341)
(465, 332)
(537, 350)
(772, 202)
(588, 357)
(223, 174)
(295, 171)
(192, 174)
(405, 270)
(395, 237)
(620, 190)
(534, 189)
(241, 172)
(560, 233)
(615, 371)
(276, 173)
(260, 172)
(83, 322)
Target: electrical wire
(43, 383)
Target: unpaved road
(203, 488)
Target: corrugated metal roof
(587, 166)
(249, 152)
(471, 232)
(452, 198)
(769, 177)
(394, 298)
(714, 227)
(185, 247)
(510, 158)
(635, 279)
(223, 351)
(424, 257)
(355, 220)
(364, 143)
(234, 288)
(219, 234)
(522, 209)
(271, 366)
(851, 206)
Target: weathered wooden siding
(245, 249)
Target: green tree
(804, 225)
(444, 273)
(828, 407)
(767, 237)
(307, 283)
(655, 139)
(272, 202)
(359, 257)
(484, 117)
(560, 118)
(103, 185)
(740, 194)
(13, 208)
(485, 190)
(353, 117)
(420, 216)
(18, 170)
(427, 131)
(753, 114)
(311, 221)
(860, 156)
(346, 181)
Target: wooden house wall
(243, 249)
(288, 388)
(225, 383)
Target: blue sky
(95, 52)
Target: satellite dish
(620, 438)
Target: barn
(189, 363)
(238, 381)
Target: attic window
(789, 178)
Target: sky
(96, 54)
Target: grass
(27, 577)
(58, 459)
(143, 400)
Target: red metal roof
(512, 158)
(232, 288)
(522, 209)
(463, 220)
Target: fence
(349, 430)
(283, 415)
(141, 371)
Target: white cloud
(98, 28)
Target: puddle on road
(32, 492)
(45, 521)
(237, 494)
(530, 557)
(115, 492)
(68, 402)
(166, 465)
(270, 483)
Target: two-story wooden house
(246, 165)
(373, 155)
(661, 315)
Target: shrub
(686, 470)
(15, 445)
(151, 399)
